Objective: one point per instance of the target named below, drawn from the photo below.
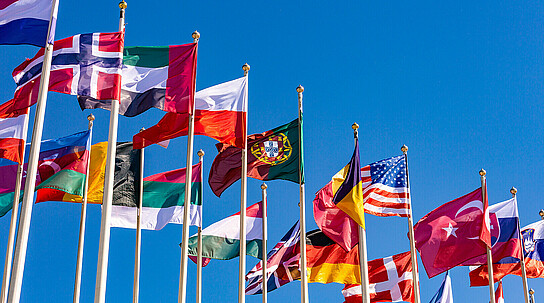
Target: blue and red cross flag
(84, 64)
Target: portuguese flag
(271, 155)
(163, 77)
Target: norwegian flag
(385, 188)
(390, 281)
(85, 64)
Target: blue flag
(444, 294)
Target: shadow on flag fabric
(163, 77)
(85, 65)
(271, 155)
(445, 293)
(452, 233)
(26, 22)
(533, 250)
(349, 196)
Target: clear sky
(460, 83)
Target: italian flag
(221, 240)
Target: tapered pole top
(404, 149)
(200, 153)
(541, 213)
(196, 36)
(482, 172)
(513, 191)
(264, 186)
(122, 5)
(300, 89)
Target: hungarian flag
(85, 65)
(26, 22)
(220, 113)
(390, 281)
(163, 77)
(12, 135)
(271, 155)
(221, 240)
(453, 233)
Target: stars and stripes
(385, 188)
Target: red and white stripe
(499, 297)
(382, 200)
(12, 137)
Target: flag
(163, 201)
(445, 293)
(499, 297)
(163, 77)
(349, 196)
(221, 240)
(12, 137)
(8, 175)
(271, 155)
(390, 281)
(26, 22)
(281, 264)
(220, 113)
(533, 251)
(452, 233)
(85, 64)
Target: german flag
(328, 262)
(349, 196)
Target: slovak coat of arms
(276, 150)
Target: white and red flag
(390, 281)
(12, 136)
(85, 64)
(499, 297)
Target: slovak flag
(27, 22)
(84, 64)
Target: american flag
(282, 264)
(385, 188)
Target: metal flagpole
(188, 178)
(138, 250)
(413, 255)
(14, 215)
(514, 191)
(532, 293)
(17, 270)
(302, 204)
(82, 222)
(488, 250)
(199, 243)
(265, 236)
(104, 244)
(243, 205)
(363, 258)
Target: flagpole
(532, 293)
(413, 255)
(104, 244)
(514, 191)
(82, 222)
(14, 215)
(199, 243)
(188, 178)
(363, 258)
(265, 236)
(488, 250)
(243, 205)
(302, 204)
(138, 250)
(19, 257)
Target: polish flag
(13, 135)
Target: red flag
(452, 233)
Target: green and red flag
(271, 155)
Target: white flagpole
(243, 205)
(104, 244)
(19, 257)
(138, 249)
(413, 255)
(265, 236)
(302, 204)
(199, 244)
(488, 250)
(82, 222)
(188, 178)
(363, 258)
(14, 215)
(514, 191)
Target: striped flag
(12, 137)
(445, 293)
(26, 22)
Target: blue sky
(460, 83)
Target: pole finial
(482, 172)
(90, 117)
(196, 36)
(300, 89)
(200, 153)
(513, 191)
(122, 4)
(404, 148)
(541, 213)
(355, 126)
(264, 186)
(246, 67)
(142, 129)
(531, 291)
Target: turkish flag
(453, 233)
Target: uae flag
(221, 240)
(271, 155)
(163, 77)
